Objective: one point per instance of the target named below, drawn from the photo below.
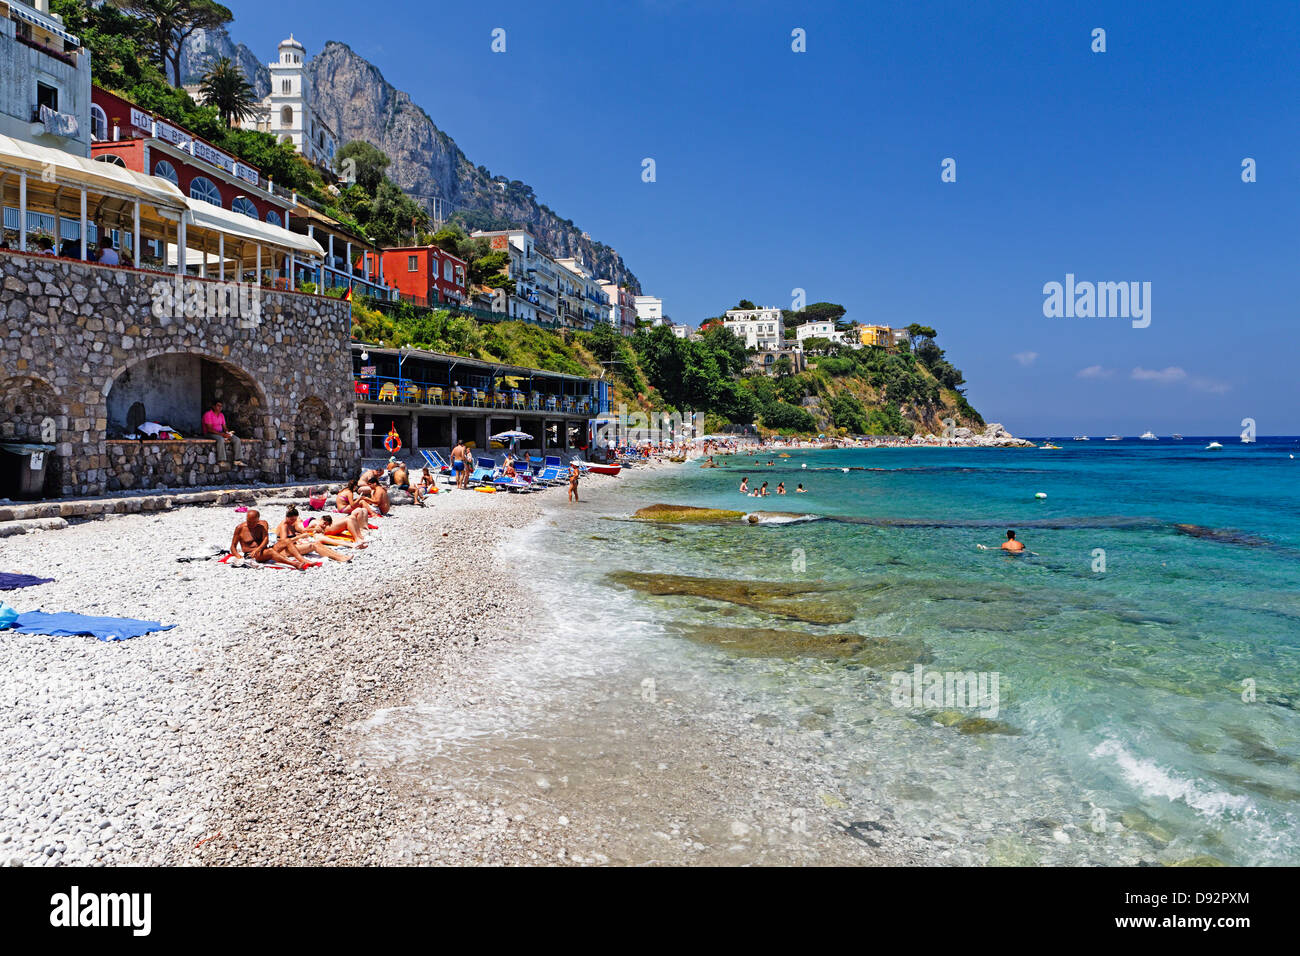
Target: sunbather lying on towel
(336, 526)
(253, 538)
(293, 531)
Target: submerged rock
(983, 725)
(774, 642)
(686, 514)
(1139, 821)
(1203, 860)
(801, 602)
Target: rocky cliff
(204, 46)
(355, 99)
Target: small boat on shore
(611, 470)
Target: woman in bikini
(293, 532)
(335, 526)
(350, 500)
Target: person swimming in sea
(780, 489)
(744, 486)
(801, 490)
(1010, 546)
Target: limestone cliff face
(204, 46)
(355, 99)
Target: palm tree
(225, 87)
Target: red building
(123, 133)
(427, 275)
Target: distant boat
(1148, 436)
(1114, 438)
(1048, 444)
(1213, 444)
(1082, 438)
(1246, 440)
(1177, 437)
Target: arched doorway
(312, 431)
(31, 412)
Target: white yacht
(1082, 438)
(1149, 436)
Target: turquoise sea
(1148, 675)
(1149, 696)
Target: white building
(681, 331)
(760, 328)
(287, 111)
(649, 308)
(826, 330)
(44, 79)
(589, 304)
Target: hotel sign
(196, 148)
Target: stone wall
(69, 329)
(146, 465)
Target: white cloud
(1026, 358)
(1094, 371)
(1173, 375)
(1164, 376)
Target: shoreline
(235, 738)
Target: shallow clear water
(1152, 703)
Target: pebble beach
(237, 737)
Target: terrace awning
(50, 165)
(204, 215)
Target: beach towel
(11, 582)
(104, 628)
(230, 562)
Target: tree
(172, 22)
(225, 87)
(746, 305)
(367, 163)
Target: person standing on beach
(458, 465)
(574, 473)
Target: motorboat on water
(1114, 438)
(1082, 438)
(1048, 444)
(1177, 437)
(1213, 444)
(1149, 436)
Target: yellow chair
(388, 392)
(435, 395)
(413, 393)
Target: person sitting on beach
(375, 495)
(780, 489)
(510, 467)
(350, 499)
(294, 533)
(1011, 545)
(744, 486)
(398, 477)
(252, 540)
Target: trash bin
(24, 468)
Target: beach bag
(317, 502)
(7, 616)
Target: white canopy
(59, 168)
(204, 215)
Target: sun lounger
(485, 469)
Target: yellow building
(880, 335)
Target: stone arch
(176, 387)
(313, 441)
(32, 411)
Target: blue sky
(820, 170)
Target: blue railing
(406, 391)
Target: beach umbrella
(510, 436)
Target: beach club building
(427, 275)
(432, 400)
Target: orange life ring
(393, 441)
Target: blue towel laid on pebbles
(104, 628)
(12, 582)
